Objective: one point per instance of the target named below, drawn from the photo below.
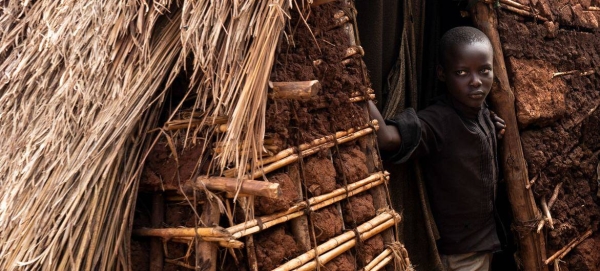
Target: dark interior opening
(380, 25)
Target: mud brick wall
(558, 116)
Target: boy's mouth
(477, 95)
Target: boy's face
(467, 72)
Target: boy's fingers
(501, 133)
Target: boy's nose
(475, 81)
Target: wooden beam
(299, 90)
(532, 245)
(247, 187)
(206, 252)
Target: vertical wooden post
(207, 251)
(532, 245)
(156, 246)
(299, 226)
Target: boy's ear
(440, 73)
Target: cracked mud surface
(561, 130)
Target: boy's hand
(499, 124)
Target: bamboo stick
(385, 261)
(554, 195)
(361, 98)
(253, 227)
(300, 90)
(524, 12)
(324, 103)
(339, 249)
(340, 22)
(547, 213)
(339, 14)
(376, 260)
(294, 157)
(314, 200)
(354, 50)
(565, 250)
(532, 246)
(232, 244)
(350, 193)
(223, 243)
(375, 223)
(515, 4)
(233, 185)
(203, 233)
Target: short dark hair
(460, 36)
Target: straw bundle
(81, 83)
(74, 100)
(219, 36)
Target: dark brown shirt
(458, 158)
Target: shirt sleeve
(418, 137)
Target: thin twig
(565, 250)
(530, 183)
(554, 195)
(547, 213)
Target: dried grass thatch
(82, 82)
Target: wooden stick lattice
(315, 145)
(315, 203)
(338, 250)
(218, 234)
(366, 230)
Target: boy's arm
(388, 137)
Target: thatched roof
(82, 82)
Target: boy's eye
(460, 73)
(486, 70)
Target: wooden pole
(206, 252)
(156, 245)
(532, 245)
(231, 185)
(207, 233)
(299, 226)
(300, 90)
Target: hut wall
(553, 68)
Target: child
(455, 141)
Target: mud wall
(318, 44)
(553, 70)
